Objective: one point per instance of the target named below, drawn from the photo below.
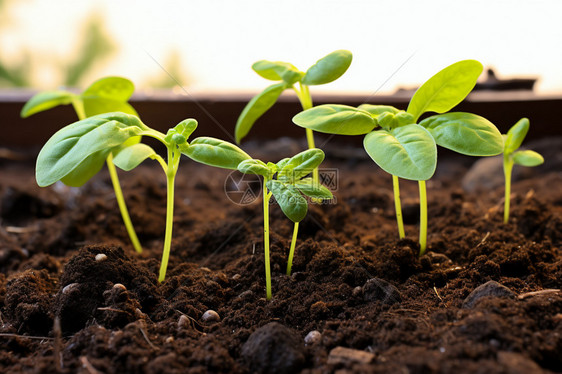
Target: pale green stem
(398, 207)
(266, 197)
(423, 217)
(121, 204)
(171, 170)
(292, 250)
(79, 108)
(306, 103)
(507, 168)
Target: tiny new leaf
(301, 164)
(527, 158)
(292, 203)
(516, 135)
(336, 119)
(215, 152)
(328, 68)
(45, 101)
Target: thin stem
(398, 207)
(507, 168)
(292, 250)
(306, 103)
(170, 178)
(423, 217)
(122, 205)
(266, 197)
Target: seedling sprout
(512, 156)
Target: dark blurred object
(494, 84)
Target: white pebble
(210, 316)
(183, 321)
(313, 337)
(101, 257)
(69, 287)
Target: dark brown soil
(353, 281)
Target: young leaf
(315, 190)
(215, 152)
(301, 164)
(256, 108)
(516, 134)
(527, 158)
(85, 169)
(336, 119)
(114, 88)
(408, 152)
(445, 89)
(253, 166)
(71, 146)
(181, 132)
(377, 110)
(292, 203)
(277, 71)
(465, 133)
(128, 158)
(328, 68)
(46, 100)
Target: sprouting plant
(288, 188)
(326, 70)
(109, 94)
(511, 156)
(80, 149)
(406, 148)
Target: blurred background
(209, 46)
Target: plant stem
(398, 207)
(423, 217)
(507, 168)
(266, 197)
(306, 103)
(121, 204)
(170, 178)
(292, 250)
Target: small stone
(313, 337)
(205, 269)
(342, 355)
(246, 294)
(69, 287)
(101, 257)
(236, 277)
(210, 316)
(139, 314)
(357, 291)
(183, 321)
(274, 349)
(119, 286)
(488, 289)
(379, 289)
(169, 339)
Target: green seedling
(512, 156)
(326, 70)
(108, 94)
(79, 151)
(405, 147)
(288, 188)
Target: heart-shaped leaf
(313, 189)
(215, 152)
(527, 158)
(445, 89)
(328, 68)
(301, 164)
(516, 135)
(292, 203)
(256, 108)
(71, 146)
(408, 152)
(465, 133)
(277, 71)
(45, 101)
(336, 119)
(128, 158)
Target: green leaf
(301, 164)
(328, 68)
(315, 190)
(277, 71)
(516, 135)
(130, 157)
(292, 203)
(94, 106)
(465, 133)
(256, 108)
(527, 158)
(87, 142)
(215, 152)
(113, 88)
(256, 167)
(181, 132)
(377, 110)
(408, 152)
(45, 101)
(85, 170)
(336, 119)
(445, 89)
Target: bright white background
(393, 42)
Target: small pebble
(101, 257)
(235, 277)
(69, 287)
(357, 291)
(169, 339)
(488, 289)
(210, 316)
(119, 286)
(183, 321)
(313, 337)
